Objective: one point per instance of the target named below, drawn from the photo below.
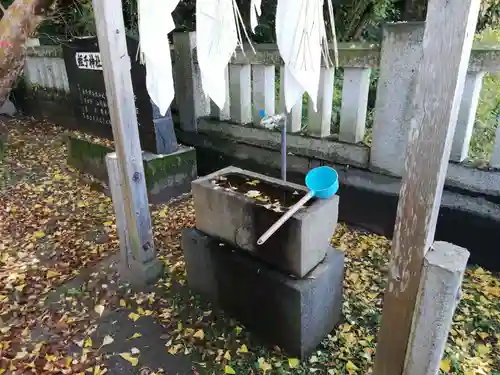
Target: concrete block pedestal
(295, 314)
(296, 248)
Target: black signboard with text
(88, 91)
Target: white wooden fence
(253, 87)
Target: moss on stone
(3, 146)
(90, 158)
(82, 149)
(44, 93)
(160, 168)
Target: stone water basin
(238, 206)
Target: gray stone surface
(8, 108)
(169, 176)
(297, 247)
(438, 296)
(153, 353)
(166, 141)
(400, 58)
(295, 314)
(328, 149)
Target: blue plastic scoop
(322, 182)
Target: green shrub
(483, 136)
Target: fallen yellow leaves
(263, 365)
(55, 226)
(134, 316)
(293, 362)
(199, 334)
(51, 274)
(107, 340)
(445, 365)
(99, 309)
(128, 357)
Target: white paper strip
(155, 23)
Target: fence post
(319, 123)
(115, 187)
(466, 116)
(438, 296)
(144, 267)
(240, 89)
(354, 104)
(400, 59)
(449, 31)
(223, 114)
(191, 101)
(495, 158)
(264, 96)
(294, 118)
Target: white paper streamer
(155, 23)
(255, 13)
(301, 38)
(217, 37)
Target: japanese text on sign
(88, 60)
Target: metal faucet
(274, 122)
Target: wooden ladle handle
(287, 215)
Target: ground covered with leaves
(59, 287)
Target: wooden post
(449, 32)
(438, 296)
(115, 59)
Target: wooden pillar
(143, 267)
(449, 31)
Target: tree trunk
(18, 22)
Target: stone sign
(88, 92)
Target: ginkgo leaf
(243, 349)
(263, 365)
(445, 365)
(99, 371)
(50, 274)
(199, 334)
(128, 357)
(229, 370)
(227, 355)
(123, 303)
(107, 340)
(99, 309)
(253, 193)
(108, 223)
(67, 361)
(39, 234)
(134, 316)
(293, 362)
(482, 349)
(20, 288)
(134, 336)
(351, 366)
(87, 343)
